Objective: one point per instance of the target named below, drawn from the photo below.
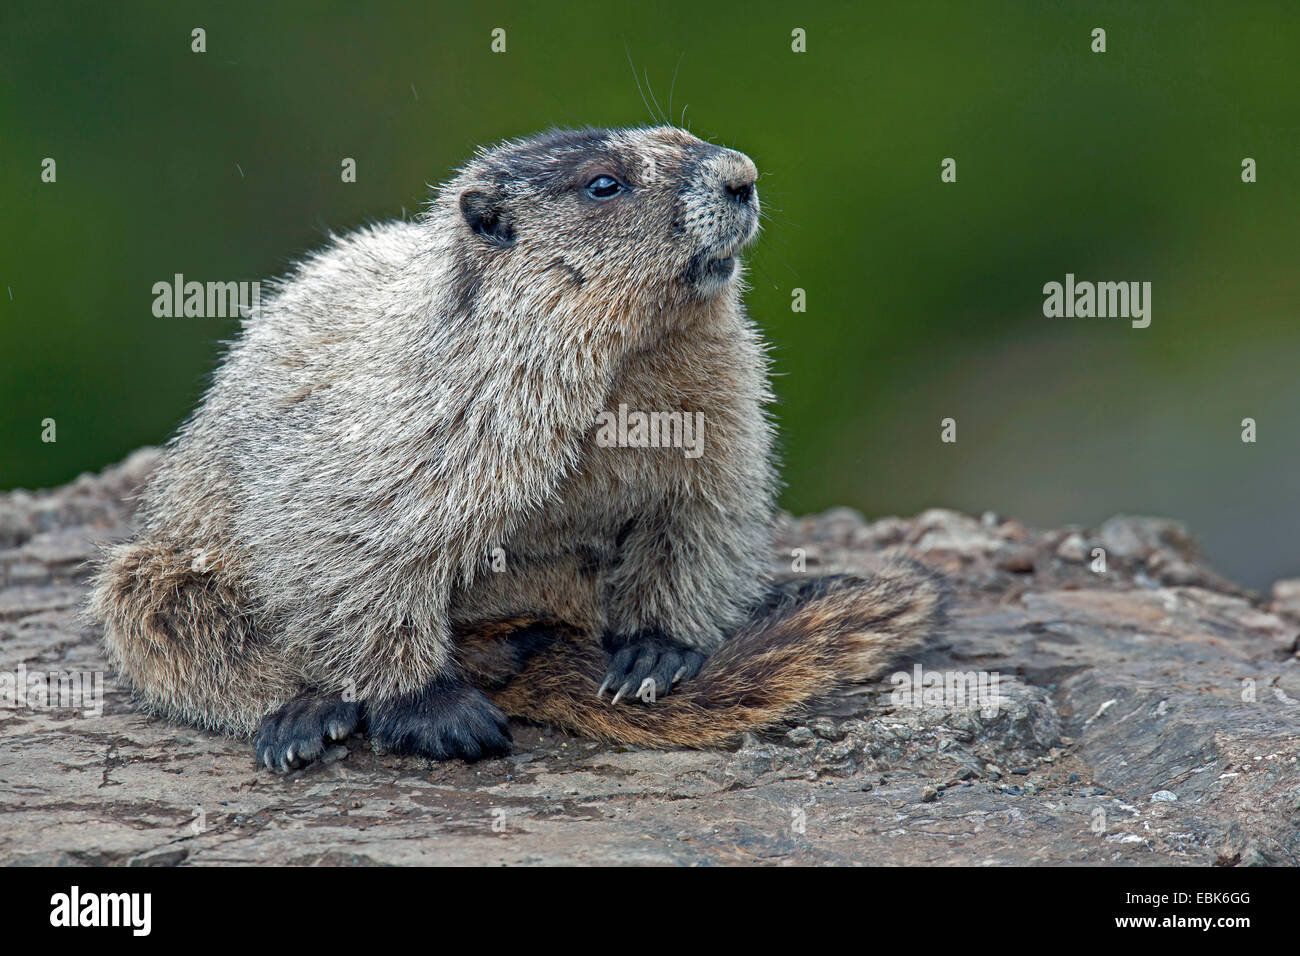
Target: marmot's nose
(738, 176)
(741, 189)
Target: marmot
(392, 510)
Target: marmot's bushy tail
(185, 641)
(806, 643)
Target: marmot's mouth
(723, 267)
(723, 263)
(712, 268)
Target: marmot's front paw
(296, 733)
(445, 720)
(647, 657)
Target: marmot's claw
(295, 734)
(657, 659)
(445, 720)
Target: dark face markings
(540, 188)
(548, 165)
(485, 213)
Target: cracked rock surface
(1147, 713)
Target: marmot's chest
(662, 423)
(677, 423)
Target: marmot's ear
(485, 214)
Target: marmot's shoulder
(352, 266)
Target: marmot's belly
(564, 585)
(557, 564)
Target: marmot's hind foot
(647, 656)
(445, 720)
(296, 733)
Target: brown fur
(820, 636)
(188, 639)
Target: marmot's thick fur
(401, 507)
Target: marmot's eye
(602, 187)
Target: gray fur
(418, 394)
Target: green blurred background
(924, 298)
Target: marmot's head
(634, 219)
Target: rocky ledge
(1100, 696)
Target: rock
(163, 856)
(1016, 560)
(826, 729)
(1132, 538)
(1146, 715)
(1286, 597)
(800, 736)
(1073, 548)
(942, 530)
(1171, 569)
